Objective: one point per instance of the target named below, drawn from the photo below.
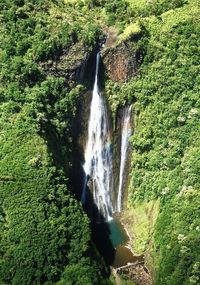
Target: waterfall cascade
(98, 154)
(125, 135)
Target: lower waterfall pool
(117, 235)
(111, 240)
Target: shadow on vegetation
(63, 152)
(100, 228)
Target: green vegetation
(140, 220)
(44, 234)
(43, 228)
(147, 8)
(131, 31)
(165, 161)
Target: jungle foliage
(43, 229)
(44, 234)
(165, 143)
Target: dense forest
(45, 235)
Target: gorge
(99, 178)
(98, 153)
(98, 169)
(99, 142)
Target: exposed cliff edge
(122, 54)
(121, 62)
(70, 64)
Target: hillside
(151, 60)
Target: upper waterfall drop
(125, 135)
(98, 154)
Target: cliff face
(70, 64)
(121, 62)
(117, 140)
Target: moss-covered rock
(70, 64)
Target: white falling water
(125, 135)
(98, 155)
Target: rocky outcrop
(121, 61)
(71, 64)
(137, 272)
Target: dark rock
(116, 136)
(121, 62)
(71, 64)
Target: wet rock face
(121, 62)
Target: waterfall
(98, 154)
(126, 132)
